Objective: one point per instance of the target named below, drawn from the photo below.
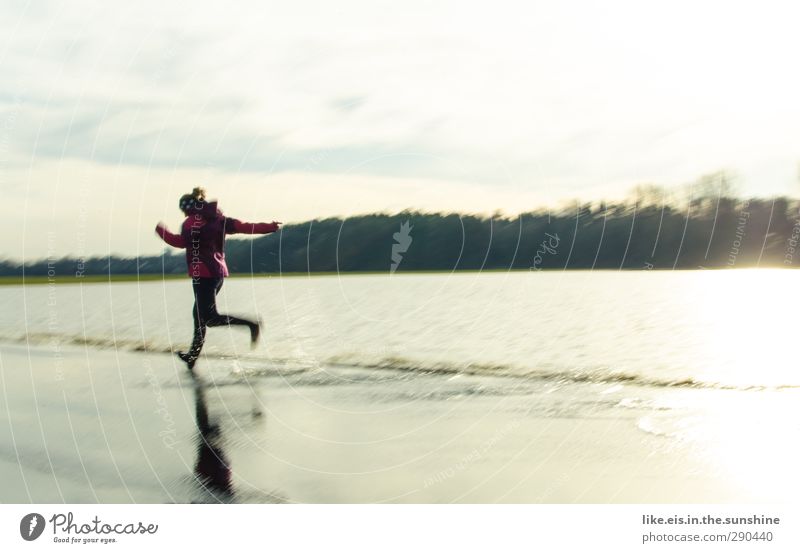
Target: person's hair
(198, 195)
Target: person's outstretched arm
(174, 240)
(235, 226)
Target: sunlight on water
(747, 439)
(708, 328)
(749, 333)
(682, 378)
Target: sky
(298, 110)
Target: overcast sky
(295, 110)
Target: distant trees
(706, 226)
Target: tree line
(652, 229)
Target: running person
(203, 237)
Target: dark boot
(255, 333)
(187, 358)
(190, 357)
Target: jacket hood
(207, 210)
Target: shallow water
(726, 329)
(544, 387)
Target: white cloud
(562, 99)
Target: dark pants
(205, 312)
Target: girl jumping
(203, 237)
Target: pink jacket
(203, 236)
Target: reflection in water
(212, 468)
(213, 475)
